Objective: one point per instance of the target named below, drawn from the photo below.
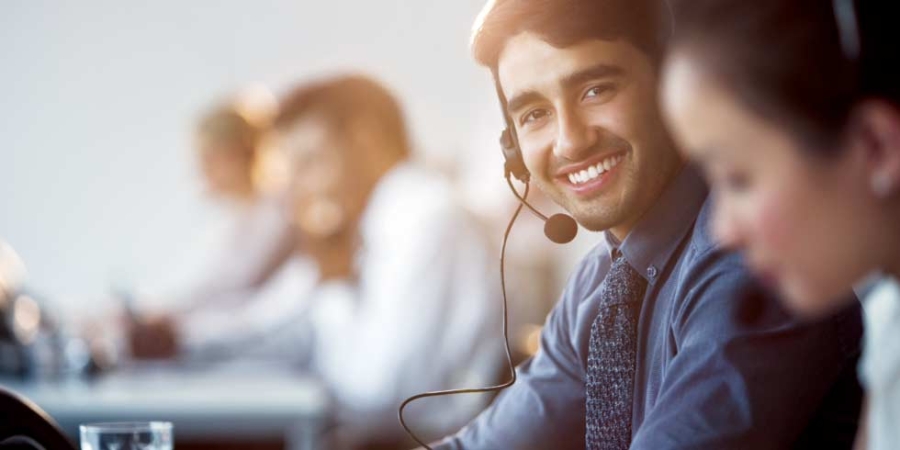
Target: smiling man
(661, 340)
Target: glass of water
(127, 436)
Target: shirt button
(652, 272)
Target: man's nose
(574, 137)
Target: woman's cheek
(774, 223)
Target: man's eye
(597, 91)
(534, 115)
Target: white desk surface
(246, 403)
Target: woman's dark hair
(567, 22)
(785, 60)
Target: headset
(559, 228)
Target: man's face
(589, 128)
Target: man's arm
(746, 375)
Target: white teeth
(594, 171)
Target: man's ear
(877, 131)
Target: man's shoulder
(699, 256)
(707, 279)
(701, 240)
(698, 264)
(703, 257)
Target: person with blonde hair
(246, 250)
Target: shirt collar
(612, 243)
(650, 245)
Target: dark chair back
(24, 425)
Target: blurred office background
(99, 187)
(98, 184)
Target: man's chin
(593, 214)
(594, 221)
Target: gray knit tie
(613, 347)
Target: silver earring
(882, 184)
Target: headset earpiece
(514, 164)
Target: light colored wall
(97, 99)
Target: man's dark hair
(563, 23)
(342, 102)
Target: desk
(220, 405)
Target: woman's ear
(877, 133)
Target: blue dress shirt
(719, 364)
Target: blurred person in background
(793, 109)
(403, 294)
(407, 296)
(224, 302)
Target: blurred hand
(153, 337)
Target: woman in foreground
(793, 110)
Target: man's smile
(587, 177)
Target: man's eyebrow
(592, 73)
(519, 100)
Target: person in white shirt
(408, 294)
(245, 270)
(793, 110)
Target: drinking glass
(127, 436)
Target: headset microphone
(559, 228)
